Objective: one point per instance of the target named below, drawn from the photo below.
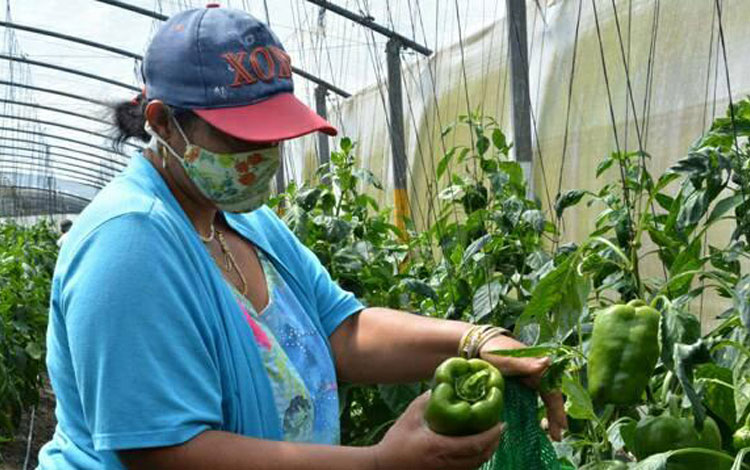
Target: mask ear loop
(156, 139)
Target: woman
(184, 335)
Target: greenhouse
(375, 234)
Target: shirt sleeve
(333, 303)
(141, 350)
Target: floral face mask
(234, 182)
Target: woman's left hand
(531, 369)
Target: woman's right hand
(410, 444)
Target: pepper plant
(27, 259)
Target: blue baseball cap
(232, 71)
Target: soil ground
(13, 454)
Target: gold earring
(162, 153)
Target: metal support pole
(519, 66)
(398, 142)
(280, 182)
(324, 149)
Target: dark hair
(65, 225)
(129, 117)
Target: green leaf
(535, 218)
(483, 144)
(34, 350)
(741, 376)
(552, 377)
(718, 391)
(604, 165)
(531, 351)
(686, 358)
(621, 433)
(513, 170)
(654, 462)
(307, 198)
(475, 247)
(741, 457)
(741, 300)
(578, 404)
(677, 326)
(399, 396)
(445, 161)
(451, 193)
(689, 259)
(547, 294)
(486, 300)
(664, 201)
(723, 206)
(567, 199)
(693, 208)
(419, 287)
(499, 141)
(346, 144)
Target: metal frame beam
(36, 142)
(95, 171)
(65, 37)
(16, 165)
(65, 193)
(57, 110)
(397, 133)
(159, 16)
(324, 149)
(54, 164)
(369, 22)
(519, 65)
(67, 70)
(66, 139)
(54, 92)
(72, 128)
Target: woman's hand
(411, 444)
(531, 369)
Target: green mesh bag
(524, 445)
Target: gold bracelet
(468, 346)
(490, 334)
(464, 338)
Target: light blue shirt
(147, 345)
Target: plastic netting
(524, 444)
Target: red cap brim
(278, 118)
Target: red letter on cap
(285, 62)
(264, 75)
(241, 75)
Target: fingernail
(543, 361)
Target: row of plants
(493, 256)
(27, 261)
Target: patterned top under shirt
(297, 361)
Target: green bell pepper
(623, 354)
(742, 436)
(467, 397)
(657, 434)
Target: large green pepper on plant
(742, 436)
(657, 434)
(624, 351)
(467, 397)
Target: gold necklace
(209, 238)
(229, 257)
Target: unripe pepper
(467, 397)
(742, 436)
(624, 351)
(657, 434)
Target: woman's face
(199, 133)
